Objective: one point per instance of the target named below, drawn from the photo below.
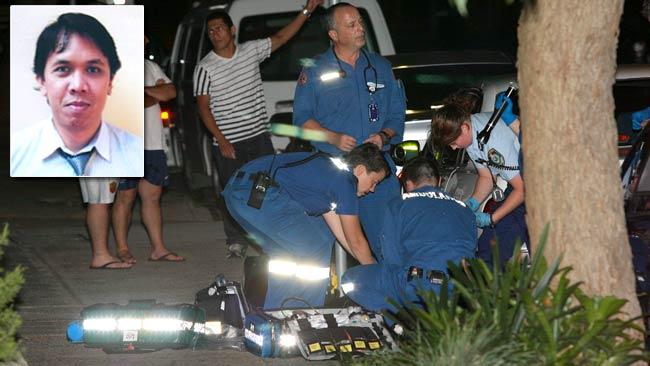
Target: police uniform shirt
(318, 185)
(426, 228)
(342, 104)
(502, 149)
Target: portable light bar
(144, 325)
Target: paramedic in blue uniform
(453, 126)
(352, 95)
(423, 230)
(311, 200)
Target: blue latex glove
(508, 116)
(472, 204)
(638, 117)
(483, 219)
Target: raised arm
(290, 30)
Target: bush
(10, 321)
(515, 316)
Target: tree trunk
(567, 60)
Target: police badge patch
(496, 158)
(302, 79)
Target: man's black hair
(369, 156)
(56, 37)
(220, 14)
(420, 170)
(329, 15)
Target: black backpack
(223, 301)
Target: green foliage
(462, 345)
(514, 316)
(10, 321)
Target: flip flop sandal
(126, 256)
(107, 266)
(165, 258)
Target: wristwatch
(306, 12)
(384, 137)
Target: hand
(472, 203)
(149, 100)
(344, 142)
(313, 4)
(376, 139)
(226, 149)
(508, 116)
(483, 219)
(640, 118)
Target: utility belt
(434, 276)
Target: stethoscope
(372, 87)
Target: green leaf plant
(10, 284)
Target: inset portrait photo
(76, 101)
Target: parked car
(429, 77)
(253, 19)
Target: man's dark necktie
(77, 162)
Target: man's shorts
(98, 190)
(155, 171)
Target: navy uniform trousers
(284, 231)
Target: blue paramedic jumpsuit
(501, 155)
(424, 228)
(345, 105)
(289, 225)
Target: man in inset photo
(75, 63)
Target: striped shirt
(235, 89)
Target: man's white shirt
(117, 153)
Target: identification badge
(373, 112)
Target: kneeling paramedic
(423, 230)
(294, 205)
(453, 126)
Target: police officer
(307, 201)
(352, 96)
(423, 230)
(453, 126)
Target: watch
(384, 137)
(306, 12)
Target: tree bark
(566, 65)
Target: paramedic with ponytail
(453, 126)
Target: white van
(253, 19)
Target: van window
(285, 63)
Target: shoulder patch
(495, 157)
(302, 79)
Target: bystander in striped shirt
(235, 89)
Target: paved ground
(49, 239)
